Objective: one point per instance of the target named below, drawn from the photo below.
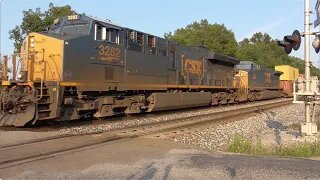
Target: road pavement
(152, 158)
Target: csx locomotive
(88, 67)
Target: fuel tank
(170, 101)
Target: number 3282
(109, 53)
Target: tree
(259, 37)
(264, 50)
(244, 42)
(215, 37)
(37, 21)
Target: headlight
(32, 42)
(20, 76)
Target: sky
(244, 18)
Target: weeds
(298, 150)
(240, 144)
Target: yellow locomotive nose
(42, 57)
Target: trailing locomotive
(84, 66)
(263, 82)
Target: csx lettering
(108, 53)
(193, 66)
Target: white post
(308, 127)
(307, 61)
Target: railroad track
(28, 151)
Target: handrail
(5, 68)
(43, 71)
(41, 89)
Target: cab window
(135, 40)
(106, 34)
(113, 36)
(140, 38)
(151, 41)
(151, 45)
(99, 33)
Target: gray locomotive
(88, 67)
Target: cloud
(263, 29)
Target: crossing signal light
(287, 47)
(291, 42)
(316, 43)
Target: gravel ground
(270, 126)
(152, 118)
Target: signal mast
(305, 89)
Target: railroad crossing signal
(316, 43)
(291, 42)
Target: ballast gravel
(132, 121)
(273, 127)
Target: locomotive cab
(43, 53)
(34, 91)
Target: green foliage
(298, 150)
(262, 49)
(37, 21)
(17, 37)
(215, 37)
(240, 144)
(259, 149)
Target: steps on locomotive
(43, 104)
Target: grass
(240, 144)
(299, 150)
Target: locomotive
(88, 67)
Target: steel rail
(179, 120)
(200, 120)
(15, 154)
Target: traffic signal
(291, 42)
(316, 43)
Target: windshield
(70, 29)
(80, 29)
